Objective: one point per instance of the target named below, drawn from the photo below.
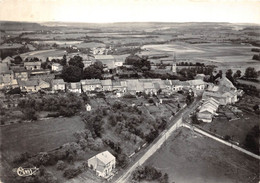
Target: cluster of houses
(29, 76)
(222, 93)
(132, 86)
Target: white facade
(103, 164)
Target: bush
(61, 165)
(71, 172)
(227, 137)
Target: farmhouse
(208, 110)
(103, 164)
(225, 92)
(58, 85)
(197, 84)
(32, 65)
(107, 85)
(91, 85)
(33, 85)
(74, 87)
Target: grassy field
(189, 157)
(236, 129)
(38, 136)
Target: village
(90, 105)
(31, 76)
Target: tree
(93, 71)
(63, 61)
(141, 63)
(237, 74)
(18, 60)
(229, 74)
(250, 73)
(72, 73)
(76, 61)
(252, 140)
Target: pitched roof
(33, 82)
(106, 82)
(196, 82)
(148, 85)
(74, 85)
(58, 81)
(176, 82)
(38, 63)
(7, 60)
(104, 157)
(90, 82)
(104, 57)
(134, 85)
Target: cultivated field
(189, 157)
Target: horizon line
(27, 21)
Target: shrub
(61, 165)
(71, 172)
(227, 137)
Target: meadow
(190, 157)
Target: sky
(106, 11)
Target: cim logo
(24, 172)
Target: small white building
(56, 67)
(88, 107)
(103, 164)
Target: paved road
(175, 124)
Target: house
(29, 86)
(32, 65)
(74, 87)
(103, 164)
(8, 60)
(118, 63)
(33, 85)
(58, 85)
(88, 107)
(20, 73)
(106, 85)
(176, 85)
(208, 110)
(200, 76)
(149, 88)
(56, 67)
(197, 84)
(6, 76)
(134, 86)
(119, 86)
(91, 85)
(225, 92)
(107, 60)
(87, 63)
